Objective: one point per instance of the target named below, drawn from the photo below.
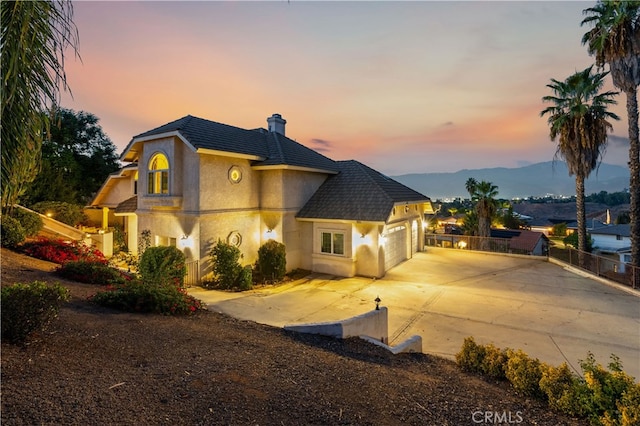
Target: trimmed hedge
(31, 222)
(12, 234)
(29, 307)
(90, 272)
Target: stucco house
(193, 181)
(613, 239)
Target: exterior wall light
(378, 300)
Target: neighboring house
(531, 242)
(613, 239)
(193, 182)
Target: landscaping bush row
(229, 274)
(603, 396)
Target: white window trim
(333, 233)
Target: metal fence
(602, 266)
(468, 242)
(193, 274)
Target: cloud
(321, 145)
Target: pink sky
(404, 87)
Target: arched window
(158, 174)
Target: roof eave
(296, 168)
(132, 151)
(220, 153)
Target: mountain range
(536, 180)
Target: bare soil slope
(103, 367)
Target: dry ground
(102, 367)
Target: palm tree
(34, 37)
(615, 40)
(470, 186)
(484, 194)
(578, 119)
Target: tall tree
(77, 157)
(578, 120)
(615, 40)
(34, 37)
(470, 186)
(484, 195)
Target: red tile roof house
(194, 181)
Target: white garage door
(395, 248)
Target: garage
(395, 247)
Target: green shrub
(561, 387)
(163, 265)
(90, 272)
(245, 279)
(628, 408)
(471, 356)
(524, 373)
(11, 232)
(272, 260)
(71, 214)
(494, 363)
(30, 221)
(29, 307)
(228, 274)
(604, 388)
(138, 296)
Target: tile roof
(622, 229)
(520, 238)
(275, 149)
(358, 192)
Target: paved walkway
(446, 295)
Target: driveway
(445, 295)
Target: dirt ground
(103, 367)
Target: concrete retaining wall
(371, 326)
(411, 345)
(372, 323)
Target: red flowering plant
(60, 251)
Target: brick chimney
(276, 124)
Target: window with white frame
(158, 178)
(332, 242)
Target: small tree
(163, 265)
(559, 229)
(272, 260)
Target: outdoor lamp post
(378, 300)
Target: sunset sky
(404, 87)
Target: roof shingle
(274, 148)
(358, 192)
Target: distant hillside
(538, 179)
